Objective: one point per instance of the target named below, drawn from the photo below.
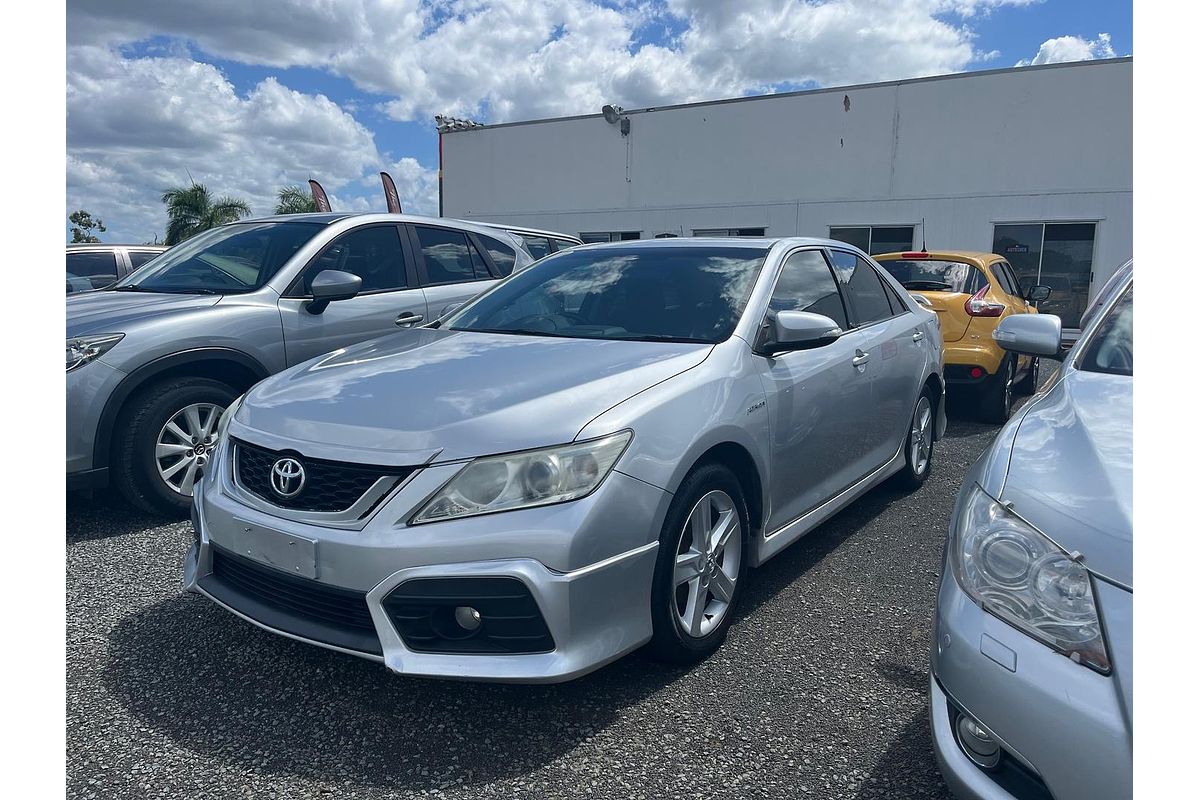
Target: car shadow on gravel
(266, 703)
(101, 515)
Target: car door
(390, 298)
(891, 353)
(452, 265)
(91, 268)
(814, 397)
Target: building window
(729, 232)
(876, 239)
(610, 236)
(1054, 254)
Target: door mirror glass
(1030, 334)
(798, 330)
(329, 285)
(1036, 294)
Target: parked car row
(545, 466)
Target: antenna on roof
(923, 250)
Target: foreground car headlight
(524, 480)
(1017, 574)
(83, 349)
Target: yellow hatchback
(971, 292)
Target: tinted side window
(1013, 279)
(806, 284)
(538, 247)
(862, 286)
(90, 270)
(1006, 285)
(1111, 350)
(139, 257)
(563, 244)
(449, 256)
(373, 254)
(503, 256)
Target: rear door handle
(918, 336)
(408, 318)
(860, 358)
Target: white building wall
(964, 152)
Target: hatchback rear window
(933, 275)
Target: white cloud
(1071, 48)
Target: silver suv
(584, 459)
(154, 361)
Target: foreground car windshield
(228, 260)
(930, 276)
(680, 294)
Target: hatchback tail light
(979, 306)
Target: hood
(1071, 469)
(448, 395)
(113, 312)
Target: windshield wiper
(515, 332)
(129, 287)
(659, 337)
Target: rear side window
(449, 256)
(1111, 351)
(1006, 284)
(806, 284)
(139, 257)
(90, 270)
(503, 256)
(863, 288)
(373, 254)
(933, 275)
(538, 246)
(564, 244)
(1013, 278)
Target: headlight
(83, 349)
(523, 480)
(1020, 576)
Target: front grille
(329, 486)
(299, 606)
(423, 611)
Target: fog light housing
(467, 618)
(975, 741)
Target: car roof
(520, 230)
(742, 242)
(974, 256)
(329, 218)
(110, 245)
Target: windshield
(232, 259)
(1111, 349)
(932, 275)
(678, 294)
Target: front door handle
(918, 336)
(860, 358)
(408, 319)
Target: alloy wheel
(185, 443)
(921, 437)
(707, 563)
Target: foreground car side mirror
(1036, 294)
(330, 285)
(1030, 334)
(785, 331)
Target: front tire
(702, 557)
(997, 400)
(166, 433)
(1029, 384)
(918, 447)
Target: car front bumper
(595, 603)
(1060, 724)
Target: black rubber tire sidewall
(1029, 383)
(669, 642)
(991, 405)
(135, 472)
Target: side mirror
(1030, 334)
(796, 330)
(1036, 294)
(330, 285)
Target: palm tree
(294, 200)
(191, 209)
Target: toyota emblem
(287, 477)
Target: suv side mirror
(330, 285)
(1036, 294)
(1030, 334)
(785, 331)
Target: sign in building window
(609, 236)
(876, 239)
(1054, 254)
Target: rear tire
(997, 399)
(918, 447)
(138, 469)
(1029, 384)
(703, 551)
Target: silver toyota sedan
(583, 460)
(1031, 691)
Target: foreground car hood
(455, 394)
(112, 312)
(1071, 469)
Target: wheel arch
(935, 384)
(738, 460)
(233, 367)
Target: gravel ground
(818, 692)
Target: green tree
(83, 227)
(294, 200)
(191, 210)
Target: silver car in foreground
(1031, 690)
(584, 459)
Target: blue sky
(247, 98)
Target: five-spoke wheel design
(707, 564)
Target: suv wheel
(918, 448)
(996, 403)
(702, 558)
(169, 431)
